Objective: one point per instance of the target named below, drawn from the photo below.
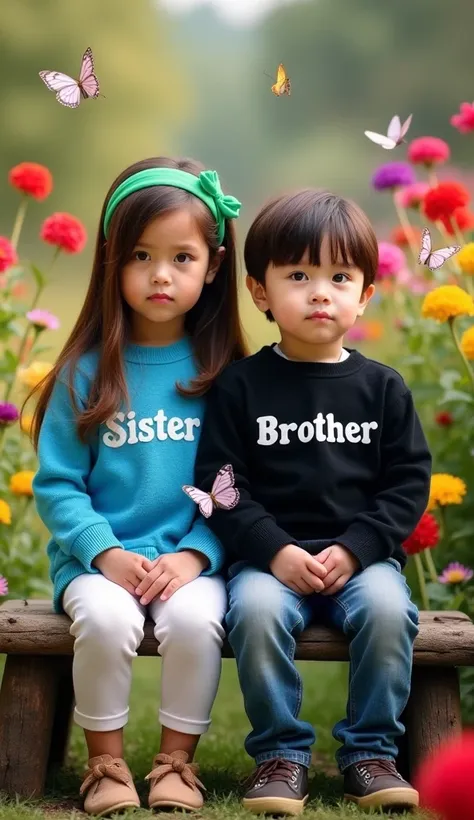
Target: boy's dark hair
(292, 224)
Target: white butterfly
(68, 90)
(223, 494)
(434, 259)
(395, 134)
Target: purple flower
(391, 260)
(8, 413)
(455, 573)
(393, 175)
(3, 586)
(43, 319)
(356, 333)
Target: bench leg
(27, 708)
(62, 713)
(433, 711)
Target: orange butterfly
(283, 84)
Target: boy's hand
(169, 573)
(340, 564)
(122, 567)
(298, 570)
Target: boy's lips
(320, 314)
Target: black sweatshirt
(322, 453)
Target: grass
(223, 761)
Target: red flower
(403, 237)
(8, 256)
(464, 121)
(441, 201)
(65, 231)
(464, 219)
(32, 179)
(428, 151)
(424, 536)
(444, 418)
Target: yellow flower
(446, 489)
(465, 258)
(5, 513)
(447, 302)
(467, 343)
(34, 374)
(25, 423)
(21, 483)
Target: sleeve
(402, 497)
(248, 531)
(60, 485)
(202, 539)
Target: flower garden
(422, 321)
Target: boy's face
(312, 306)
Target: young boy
(333, 472)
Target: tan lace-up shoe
(173, 783)
(108, 786)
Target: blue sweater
(123, 488)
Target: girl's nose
(161, 275)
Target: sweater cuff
(91, 542)
(204, 541)
(262, 542)
(364, 543)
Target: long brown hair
(103, 323)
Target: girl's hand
(169, 573)
(124, 568)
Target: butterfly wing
(425, 250)
(406, 126)
(87, 79)
(204, 500)
(66, 87)
(282, 85)
(224, 491)
(394, 129)
(439, 257)
(380, 139)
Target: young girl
(116, 428)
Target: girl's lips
(160, 297)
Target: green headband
(206, 187)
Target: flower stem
(465, 361)
(405, 223)
(19, 219)
(430, 565)
(433, 179)
(421, 581)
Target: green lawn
(223, 761)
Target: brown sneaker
(173, 783)
(374, 784)
(277, 787)
(108, 786)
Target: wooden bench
(36, 696)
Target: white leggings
(108, 629)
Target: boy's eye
(182, 258)
(141, 256)
(298, 276)
(340, 277)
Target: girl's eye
(141, 256)
(340, 277)
(298, 276)
(182, 258)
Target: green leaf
(449, 378)
(40, 278)
(456, 395)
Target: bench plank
(31, 627)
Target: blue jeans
(374, 611)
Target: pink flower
(8, 256)
(464, 121)
(356, 333)
(43, 319)
(455, 573)
(391, 260)
(413, 195)
(65, 231)
(3, 586)
(428, 151)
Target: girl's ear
(215, 265)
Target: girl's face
(163, 280)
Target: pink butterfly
(434, 259)
(223, 494)
(68, 90)
(395, 134)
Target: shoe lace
(113, 769)
(377, 768)
(271, 771)
(164, 764)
